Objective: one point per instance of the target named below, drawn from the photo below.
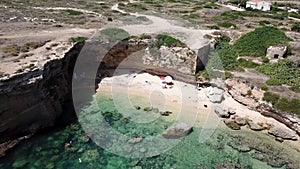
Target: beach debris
(284, 133)
(178, 130)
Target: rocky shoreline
(37, 99)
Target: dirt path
(192, 37)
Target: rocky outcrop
(238, 89)
(202, 57)
(283, 133)
(215, 95)
(37, 99)
(178, 130)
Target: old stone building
(276, 52)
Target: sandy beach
(184, 100)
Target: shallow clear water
(49, 150)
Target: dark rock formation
(202, 57)
(38, 99)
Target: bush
(166, 40)
(296, 27)
(145, 36)
(256, 43)
(273, 82)
(228, 56)
(264, 88)
(248, 64)
(295, 89)
(282, 72)
(227, 25)
(228, 75)
(78, 39)
(271, 97)
(115, 34)
(73, 12)
(292, 106)
(249, 92)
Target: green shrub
(247, 64)
(282, 72)
(228, 75)
(295, 89)
(137, 6)
(228, 56)
(292, 106)
(166, 40)
(271, 97)
(249, 92)
(296, 27)
(73, 12)
(273, 82)
(256, 43)
(115, 34)
(264, 88)
(227, 25)
(145, 36)
(78, 39)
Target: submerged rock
(135, 140)
(283, 133)
(179, 130)
(165, 113)
(228, 165)
(148, 109)
(232, 124)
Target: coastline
(184, 100)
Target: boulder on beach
(222, 112)
(215, 95)
(255, 126)
(283, 133)
(178, 130)
(240, 121)
(232, 124)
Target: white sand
(184, 100)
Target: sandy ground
(194, 38)
(184, 100)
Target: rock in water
(232, 124)
(179, 130)
(216, 95)
(240, 121)
(283, 133)
(255, 127)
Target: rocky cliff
(39, 98)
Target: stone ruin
(276, 52)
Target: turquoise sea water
(244, 148)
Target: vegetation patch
(166, 40)
(282, 72)
(73, 12)
(115, 34)
(246, 63)
(288, 105)
(79, 39)
(256, 43)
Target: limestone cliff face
(37, 99)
